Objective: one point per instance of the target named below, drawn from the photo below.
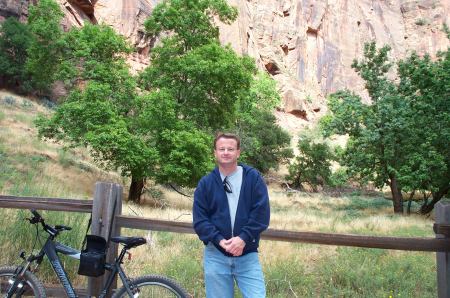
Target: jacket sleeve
(259, 214)
(206, 231)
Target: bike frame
(51, 249)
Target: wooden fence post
(106, 205)
(442, 213)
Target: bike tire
(154, 286)
(32, 286)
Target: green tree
(191, 21)
(162, 130)
(212, 88)
(377, 132)
(312, 165)
(149, 134)
(205, 82)
(388, 142)
(14, 41)
(265, 144)
(102, 110)
(202, 82)
(425, 85)
(46, 46)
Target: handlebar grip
(62, 227)
(35, 213)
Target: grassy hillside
(32, 167)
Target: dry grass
(19, 138)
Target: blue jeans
(221, 272)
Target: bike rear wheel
(30, 285)
(154, 286)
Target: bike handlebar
(37, 218)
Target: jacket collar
(245, 169)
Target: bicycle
(20, 281)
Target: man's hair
(224, 135)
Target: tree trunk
(397, 197)
(437, 196)
(136, 186)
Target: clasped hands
(234, 245)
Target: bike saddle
(129, 241)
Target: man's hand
(223, 244)
(234, 246)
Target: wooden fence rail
(398, 243)
(108, 195)
(53, 204)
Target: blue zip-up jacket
(211, 215)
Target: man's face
(226, 151)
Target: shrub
(312, 165)
(9, 100)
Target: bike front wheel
(153, 286)
(28, 286)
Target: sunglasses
(227, 185)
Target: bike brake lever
(22, 254)
(33, 220)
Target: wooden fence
(106, 210)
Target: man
(231, 209)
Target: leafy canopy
(46, 46)
(387, 140)
(15, 38)
(312, 165)
(264, 144)
(191, 21)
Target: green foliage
(375, 149)
(425, 84)
(93, 119)
(421, 22)
(211, 87)
(338, 178)
(104, 115)
(185, 157)
(88, 54)
(387, 140)
(312, 165)
(15, 39)
(10, 100)
(205, 82)
(264, 144)
(46, 46)
(204, 79)
(191, 21)
(446, 30)
(263, 95)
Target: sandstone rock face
(306, 45)
(125, 16)
(13, 8)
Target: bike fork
(16, 281)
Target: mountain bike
(20, 281)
